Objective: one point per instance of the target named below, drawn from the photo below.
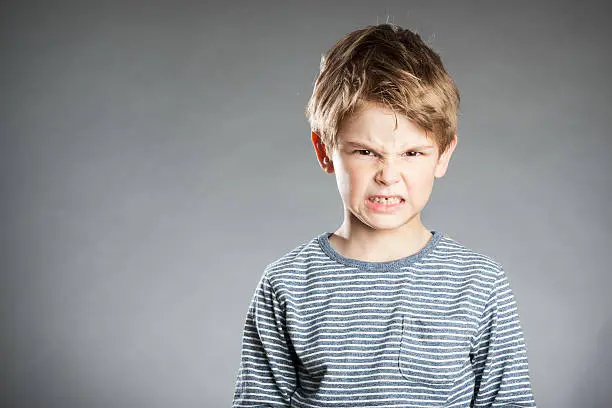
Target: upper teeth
(391, 200)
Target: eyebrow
(366, 146)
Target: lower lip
(382, 207)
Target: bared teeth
(382, 200)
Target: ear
(444, 158)
(322, 155)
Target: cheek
(347, 180)
(355, 184)
(354, 175)
(419, 180)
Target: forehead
(380, 127)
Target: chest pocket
(434, 351)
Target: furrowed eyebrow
(408, 148)
(360, 145)
(422, 147)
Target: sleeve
(499, 357)
(267, 375)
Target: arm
(500, 355)
(267, 375)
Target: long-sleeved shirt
(439, 328)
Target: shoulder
(469, 269)
(454, 256)
(294, 264)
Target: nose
(388, 173)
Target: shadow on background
(594, 390)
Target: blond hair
(391, 66)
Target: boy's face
(385, 167)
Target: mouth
(385, 200)
(385, 204)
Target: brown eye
(364, 152)
(413, 154)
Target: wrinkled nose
(388, 173)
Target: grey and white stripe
(438, 328)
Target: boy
(383, 312)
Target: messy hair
(390, 66)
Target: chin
(392, 223)
(388, 226)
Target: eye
(364, 152)
(413, 154)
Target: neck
(358, 241)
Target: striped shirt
(439, 328)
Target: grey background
(154, 158)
